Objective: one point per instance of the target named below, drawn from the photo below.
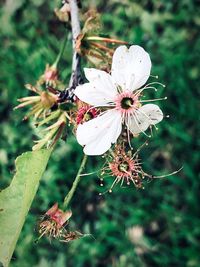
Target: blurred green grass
(158, 226)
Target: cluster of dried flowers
(107, 112)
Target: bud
(50, 76)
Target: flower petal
(145, 116)
(153, 112)
(99, 133)
(137, 123)
(91, 74)
(100, 91)
(131, 67)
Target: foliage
(15, 200)
(166, 212)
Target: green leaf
(16, 199)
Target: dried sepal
(54, 131)
(40, 105)
(53, 222)
(93, 45)
(92, 23)
(58, 215)
(71, 235)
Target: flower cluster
(106, 113)
(109, 109)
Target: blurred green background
(158, 226)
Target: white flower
(119, 94)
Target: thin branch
(75, 79)
(76, 30)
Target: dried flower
(85, 113)
(97, 48)
(59, 216)
(125, 168)
(54, 120)
(52, 224)
(119, 95)
(41, 104)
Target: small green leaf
(16, 199)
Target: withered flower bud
(63, 12)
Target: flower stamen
(126, 102)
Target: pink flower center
(127, 102)
(122, 167)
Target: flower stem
(75, 183)
(55, 64)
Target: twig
(76, 30)
(75, 79)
